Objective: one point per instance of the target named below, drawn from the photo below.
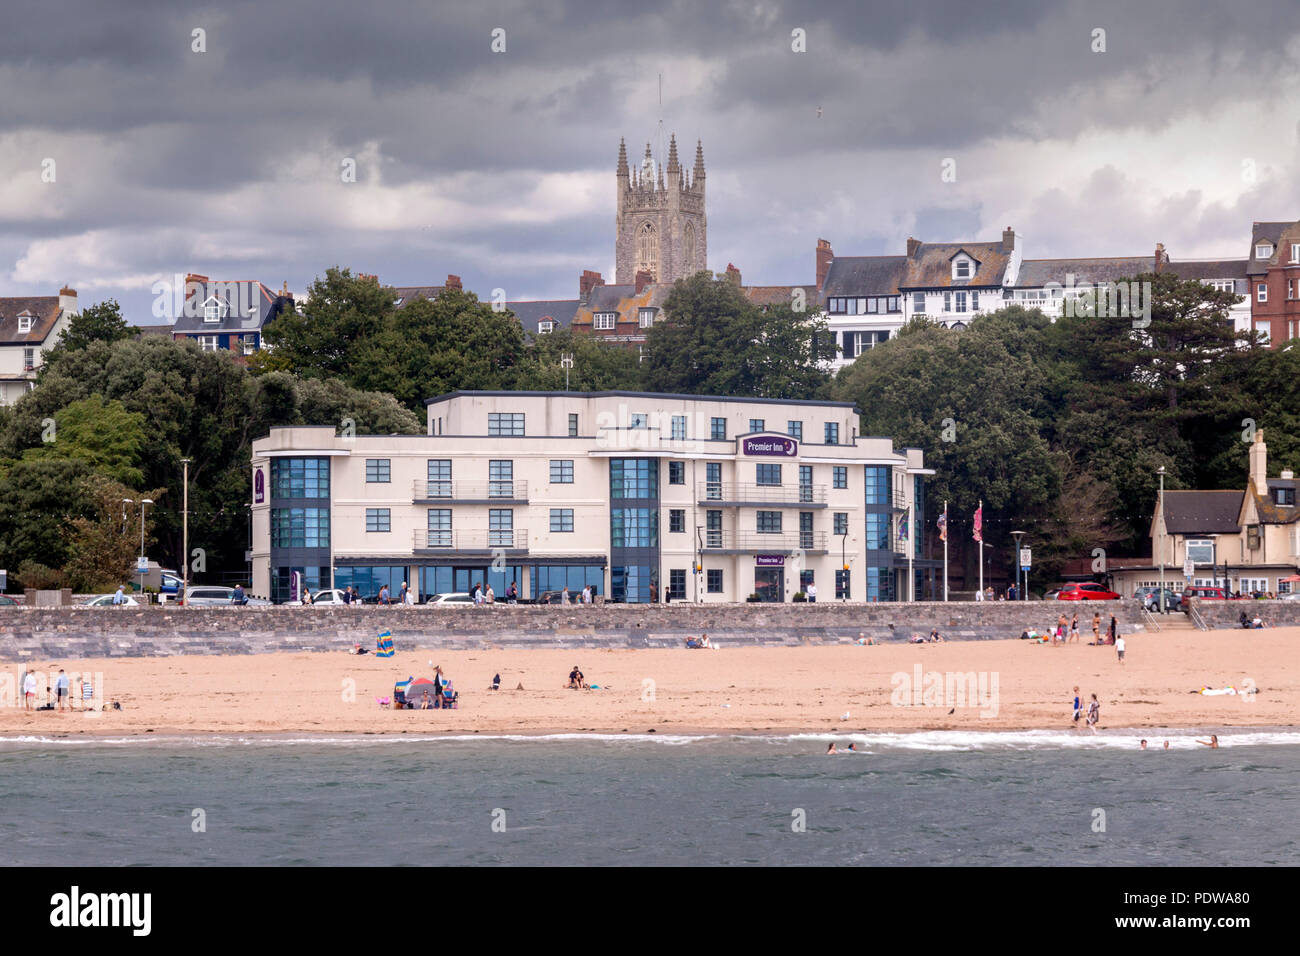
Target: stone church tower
(661, 224)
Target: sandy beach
(1008, 685)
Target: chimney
(1288, 474)
(1162, 257)
(824, 258)
(912, 246)
(733, 275)
(643, 279)
(1008, 239)
(368, 277)
(195, 277)
(1259, 464)
(67, 299)
(453, 282)
(586, 282)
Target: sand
(732, 689)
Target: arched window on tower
(689, 261)
(647, 250)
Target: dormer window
(646, 318)
(605, 320)
(1263, 250)
(1284, 497)
(24, 321)
(545, 325)
(961, 269)
(1295, 252)
(213, 310)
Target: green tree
(101, 322)
(596, 366)
(102, 434)
(35, 508)
(104, 542)
(317, 338)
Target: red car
(1085, 592)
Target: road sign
(1025, 563)
(1189, 569)
(141, 565)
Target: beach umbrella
(421, 688)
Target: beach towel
(384, 644)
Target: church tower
(661, 225)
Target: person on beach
(576, 680)
(1212, 743)
(1119, 648)
(1096, 626)
(1094, 713)
(1078, 708)
(29, 690)
(853, 747)
(934, 636)
(1114, 626)
(1074, 628)
(496, 683)
(61, 688)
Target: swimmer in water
(1144, 745)
(831, 749)
(1166, 745)
(853, 747)
(1212, 743)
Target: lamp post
(1161, 505)
(185, 531)
(699, 566)
(566, 362)
(844, 566)
(1020, 592)
(143, 502)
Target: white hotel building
(648, 497)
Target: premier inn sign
(769, 446)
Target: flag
(942, 522)
(979, 523)
(902, 528)
(384, 644)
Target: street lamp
(1161, 473)
(844, 566)
(185, 532)
(143, 561)
(1019, 591)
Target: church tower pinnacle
(661, 227)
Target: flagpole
(945, 550)
(911, 550)
(981, 546)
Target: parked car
(1150, 598)
(106, 600)
(1084, 592)
(451, 598)
(1205, 593)
(210, 595)
(328, 596)
(7, 601)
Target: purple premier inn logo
(770, 445)
(259, 487)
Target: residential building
(951, 282)
(647, 497)
(860, 299)
(1274, 276)
(29, 327)
(230, 315)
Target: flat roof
(621, 394)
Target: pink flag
(979, 524)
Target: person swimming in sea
(1212, 743)
(831, 749)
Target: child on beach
(1074, 627)
(1094, 713)
(1119, 648)
(1078, 708)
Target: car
(1204, 593)
(7, 601)
(106, 600)
(211, 595)
(1150, 598)
(450, 599)
(1084, 592)
(327, 596)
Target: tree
(104, 435)
(103, 544)
(317, 338)
(712, 340)
(101, 322)
(596, 366)
(283, 400)
(36, 503)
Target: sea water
(904, 799)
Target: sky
(133, 149)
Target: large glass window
(677, 473)
(1201, 551)
(768, 522)
(367, 580)
(805, 529)
(841, 522)
(768, 474)
(506, 424)
(574, 577)
(562, 520)
(562, 472)
(677, 521)
(633, 478)
(439, 478)
(878, 526)
(300, 528)
(634, 528)
(877, 481)
(677, 584)
(880, 584)
(633, 584)
(713, 529)
(313, 578)
(378, 519)
(378, 470)
(501, 479)
(501, 528)
(300, 477)
(805, 483)
(440, 527)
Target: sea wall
(37, 633)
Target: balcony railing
(756, 542)
(479, 539)
(470, 492)
(736, 494)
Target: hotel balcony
(729, 494)
(471, 492)
(480, 541)
(755, 542)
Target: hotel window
(713, 480)
(713, 529)
(805, 483)
(679, 428)
(1201, 551)
(894, 304)
(961, 302)
(440, 527)
(876, 479)
(546, 325)
(29, 359)
(714, 577)
(573, 425)
(767, 474)
(378, 519)
(505, 424)
(757, 425)
(841, 522)
(918, 301)
(562, 520)
(634, 528)
(300, 478)
(605, 320)
(634, 478)
(961, 269)
(300, 528)
(637, 420)
(562, 471)
(1224, 285)
(1263, 250)
(805, 529)
(378, 470)
(768, 522)
(677, 520)
(947, 302)
(646, 318)
(24, 321)
(832, 433)
(439, 485)
(718, 428)
(677, 473)
(677, 584)
(208, 343)
(840, 474)
(1261, 292)
(501, 528)
(794, 430)
(878, 532)
(501, 479)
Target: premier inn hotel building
(648, 497)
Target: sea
(931, 798)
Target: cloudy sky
(499, 166)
